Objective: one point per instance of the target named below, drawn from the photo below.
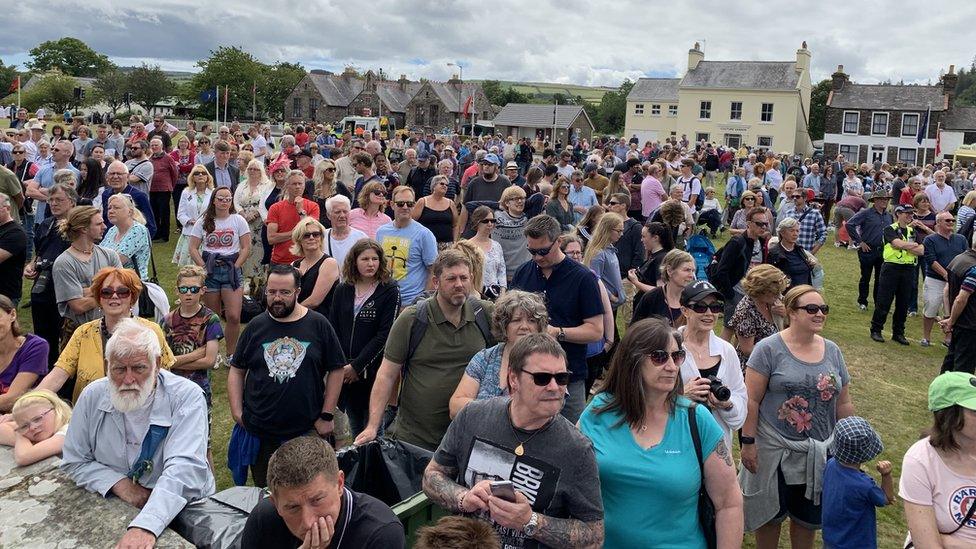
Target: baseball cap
(424, 155)
(855, 441)
(493, 158)
(952, 388)
(901, 208)
(590, 167)
(697, 291)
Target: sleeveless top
(441, 223)
(308, 284)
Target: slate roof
(749, 75)
(960, 118)
(337, 90)
(448, 93)
(887, 97)
(80, 80)
(393, 97)
(654, 89)
(526, 115)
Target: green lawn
(888, 382)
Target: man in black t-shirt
(311, 507)
(275, 384)
(13, 252)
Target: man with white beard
(140, 433)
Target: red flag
(15, 85)
(938, 143)
(467, 106)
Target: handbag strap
(969, 515)
(696, 439)
(152, 259)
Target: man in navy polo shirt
(572, 301)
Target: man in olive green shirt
(451, 339)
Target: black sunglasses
(812, 309)
(700, 308)
(541, 251)
(121, 291)
(377, 192)
(543, 378)
(487, 221)
(661, 357)
(762, 224)
(405, 203)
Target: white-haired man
(140, 433)
(340, 238)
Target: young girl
(36, 428)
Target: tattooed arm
(440, 487)
(723, 488)
(556, 532)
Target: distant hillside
(541, 90)
(176, 76)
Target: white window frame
(914, 155)
(736, 136)
(843, 123)
(852, 154)
(703, 110)
(887, 118)
(762, 108)
(699, 135)
(638, 109)
(732, 112)
(672, 110)
(918, 120)
(655, 109)
(759, 141)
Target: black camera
(717, 388)
(43, 279)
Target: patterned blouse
(747, 321)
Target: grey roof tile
(959, 118)
(888, 97)
(749, 75)
(528, 115)
(654, 89)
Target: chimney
(454, 81)
(402, 82)
(695, 56)
(949, 81)
(803, 59)
(350, 72)
(839, 79)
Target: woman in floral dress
(798, 389)
(249, 202)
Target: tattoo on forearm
(556, 532)
(723, 452)
(440, 487)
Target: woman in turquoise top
(128, 235)
(649, 474)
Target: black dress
(308, 284)
(440, 222)
(649, 272)
(653, 303)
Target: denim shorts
(221, 276)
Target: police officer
(900, 256)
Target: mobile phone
(503, 489)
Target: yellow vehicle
(358, 125)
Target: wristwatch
(562, 334)
(746, 440)
(326, 416)
(530, 527)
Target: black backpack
(712, 266)
(422, 320)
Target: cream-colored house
(764, 104)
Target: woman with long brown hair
(587, 226)
(559, 206)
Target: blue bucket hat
(855, 441)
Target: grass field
(888, 381)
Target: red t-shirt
(301, 139)
(286, 216)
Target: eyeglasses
(487, 221)
(223, 198)
(748, 198)
(404, 203)
(312, 234)
(121, 291)
(949, 220)
(700, 308)
(33, 422)
(542, 379)
(760, 224)
(660, 357)
(541, 251)
(119, 371)
(189, 289)
(812, 309)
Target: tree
(111, 87)
(234, 68)
(7, 76)
(612, 111)
(278, 81)
(818, 109)
(56, 92)
(150, 85)
(69, 55)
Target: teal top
(650, 497)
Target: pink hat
(282, 162)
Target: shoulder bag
(706, 509)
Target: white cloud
(565, 41)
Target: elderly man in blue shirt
(580, 196)
(141, 434)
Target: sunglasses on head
(541, 251)
(404, 203)
(660, 357)
(700, 308)
(189, 289)
(812, 309)
(542, 379)
(121, 291)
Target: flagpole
(217, 108)
(226, 91)
(18, 92)
(254, 100)
(925, 130)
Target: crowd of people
(463, 295)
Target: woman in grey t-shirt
(798, 388)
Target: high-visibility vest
(899, 257)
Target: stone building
(439, 105)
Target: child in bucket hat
(849, 494)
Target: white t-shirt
(226, 236)
(339, 249)
(940, 199)
(260, 145)
(925, 480)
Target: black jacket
(235, 174)
(630, 249)
(734, 262)
(363, 336)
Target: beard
(124, 400)
(281, 309)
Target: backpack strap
(417, 331)
(481, 319)
(144, 464)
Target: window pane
(879, 125)
(705, 112)
(909, 125)
(850, 122)
(767, 112)
(672, 110)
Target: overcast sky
(567, 41)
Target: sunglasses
(487, 221)
(404, 203)
(330, 169)
(700, 308)
(189, 289)
(542, 379)
(313, 234)
(660, 357)
(761, 224)
(749, 198)
(18, 152)
(121, 291)
(541, 251)
(812, 309)
(378, 193)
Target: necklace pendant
(519, 450)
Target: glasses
(203, 174)
(812, 309)
(189, 289)
(795, 196)
(121, 291)
(34, 422)
(119, 371)
(748, 198)
(949, 220)
(700, 308)
(223, 198)
(541, 251)
(19, 152)
(330, 169)
(542, 379)
(660, 357)
(404, 203)
(377, 192)
(487, 221)
(312, 234)
(760, 224)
